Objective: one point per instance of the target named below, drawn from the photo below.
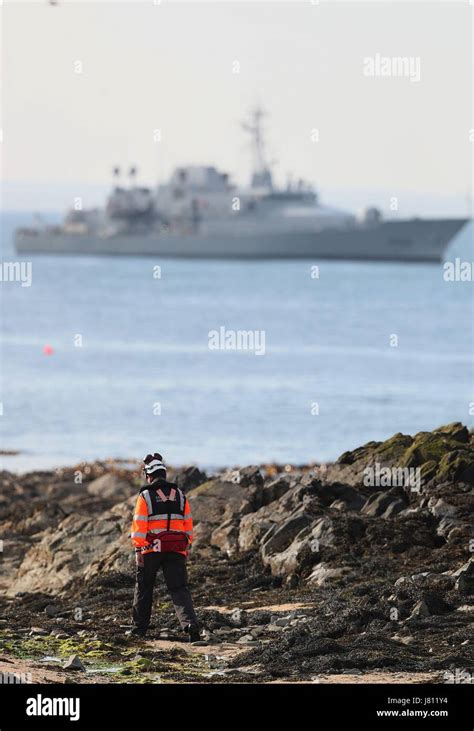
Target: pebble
(215, 661)
(247, 640)
(406, 639)
(238, 617)
(283, 622)
(59, 635)
(74, 663)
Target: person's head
(154, 467)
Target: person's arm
(140, 523)
(188, 520)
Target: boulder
(110, 486)
(244, 476)
(250, 476)
(437, 582)
(81, 546)
(394, 508)
(322, 574)
(188, 478)
(465, 578)
(328, 493)
(431, 603)
(254, 526)
(440, 508)
(426, 447)
(456, 466)
(275, 489)
(388, 452)
(286, 562)
(442, 455)
(279, 537)
(289, 547)
(456, 431)
(386, 504)
(226, 537)
(217, 501)
(263, 523)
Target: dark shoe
(138, 632)
(193, 633)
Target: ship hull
(413, 240)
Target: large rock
(217, 501)
(465, 578)
(385, 504)
(329, 492)
(323, 574)
(188, 478)
(81, 546)
(226, 537)
(456, 431)
(262, 522)
(426, 447)
(293, 521)
(445, 454)
(430, 604)
(440, 508)
(110, 486)
(275, 489)
(386, 452)
(456, 466)
(254, 526)
(291, 559)
(296, 543)
(279, 536)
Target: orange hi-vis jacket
(160, 506)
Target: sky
(86, 86)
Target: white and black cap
(153, 465)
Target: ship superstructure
(201, 213)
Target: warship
(200, 213)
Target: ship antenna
(116, 173)
(261, 172)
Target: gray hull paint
(414, 240)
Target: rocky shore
(358, 570)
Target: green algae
(121, 664)
(41, 645)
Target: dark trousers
(176, 577)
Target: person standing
(162, 531)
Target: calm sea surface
(144, 378)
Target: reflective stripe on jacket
(160, 506)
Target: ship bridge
(198, 178)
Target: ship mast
(261, 176)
